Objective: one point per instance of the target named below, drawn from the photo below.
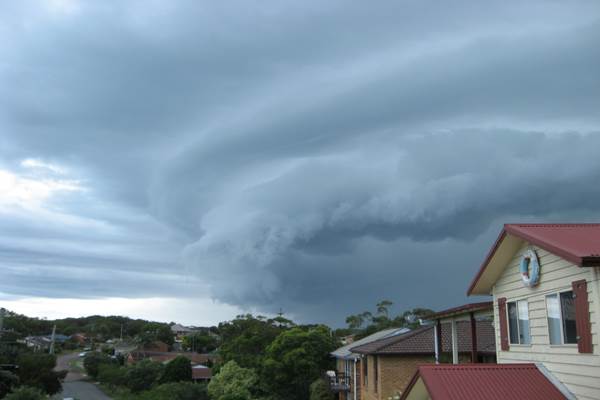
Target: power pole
(121, 332)
(52, 339)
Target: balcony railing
(338, 381)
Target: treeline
(95, 326)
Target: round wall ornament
(530, 268)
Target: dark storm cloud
(283, 153)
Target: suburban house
(551, 318)
(544, 280)
(388, 364)
(346, 380)
(180, 331)
(201, 373)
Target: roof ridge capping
(578, 243)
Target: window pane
(512, 323)
(553, 318)
(524, 335)
(567, 305)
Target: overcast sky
(191, 160)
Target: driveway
(76, 384)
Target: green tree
(143, 375)
(37, 370)
(112, 374)
(26, 393)
(319, 390)
(201, 342)
(178, 370)
(93, 361)
(8, 380)
(245, 339)
(233, 382)
(176, 391)
(295, 359)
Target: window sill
(564, 346)
(519, 345)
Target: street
(76, 384)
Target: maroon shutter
(503, 324)
(582, 316)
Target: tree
(178, 370)
(200, 342)
(177, 391)
(93, 361)
(112, 374)
(26, 393)
(319, 390)
(37, 370)
(233, 382)
(143, 375)
(245, 339)
(8, 380)
(295, 359)
(382, 307)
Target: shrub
(143, 375)
(176, 391)
(319, 390)
(92, 362)
(178, 370)
(37, 370)
(233, 383)
(112, 374)
(26, 393)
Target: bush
(37, 370)
(92, 362)
(143, 375)
(178, 370)
(176, 391)
(319, 390)
(26, 393)
(112, 374)
(8, 380)
(233, 383)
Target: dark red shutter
(503, 324)
(582, 316)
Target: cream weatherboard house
(544, 279)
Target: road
(76, 384)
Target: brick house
(388, 364)
(345, 381)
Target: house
(544, 279)
(388, 364)
(201, 373)
(346, 380)
(478, 381)
(180, 331)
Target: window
(518, 322)
(560, 308)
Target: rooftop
(344, 351)
(577, 243)
(481, 382)
(460, 310)
(421, 340)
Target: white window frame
(562, 328)
(518, 328)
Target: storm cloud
(306, 155)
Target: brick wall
(394, 373)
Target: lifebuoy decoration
(530, 268)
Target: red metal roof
(485, 382)
(577, 243)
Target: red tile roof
(577, 243)
(420, 340)
(484, 382)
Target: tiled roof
(201, 372)
(421, 341)
(484, 382)
(577, 243)
(344, 351)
